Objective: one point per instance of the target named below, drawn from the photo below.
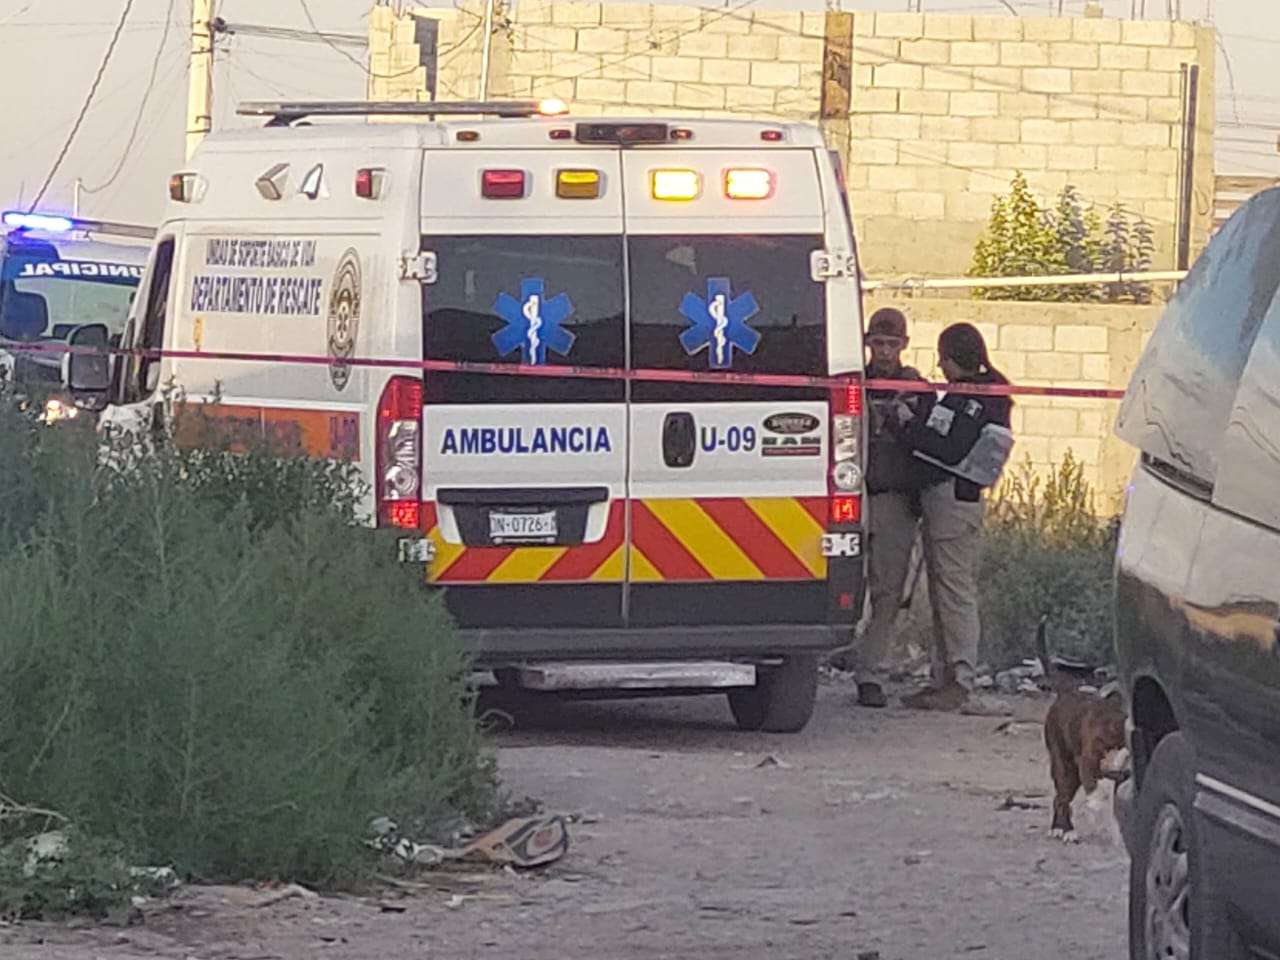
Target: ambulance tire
(782, 699)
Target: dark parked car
(1198, 597)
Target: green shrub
(1046, 553)
(206, 663)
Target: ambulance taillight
(844, 482)
(399, 454)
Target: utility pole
(200, 93)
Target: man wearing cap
(893, 508)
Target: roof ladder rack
(283, 113)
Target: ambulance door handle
(678, 439)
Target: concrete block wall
(1042, 344)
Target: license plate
(522, 526)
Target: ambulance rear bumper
(499, 647)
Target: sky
(131, 140)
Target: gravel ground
(873, 834)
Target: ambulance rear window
(541, 300)
(774, 315)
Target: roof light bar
(56, 223)
(281, 113)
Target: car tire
(782, 699)
(1175, 909)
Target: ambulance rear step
(693, 675)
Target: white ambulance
(589, 363)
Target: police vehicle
(59, 277)
(615, 399)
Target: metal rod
(1186, 185)
(486, 48)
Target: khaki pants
(952, 534)
(892, 533)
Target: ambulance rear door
(525, 476)
(728, 481)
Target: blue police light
(43, 222)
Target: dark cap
(888, 322)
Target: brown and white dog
(1085, 736)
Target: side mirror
(86, 367)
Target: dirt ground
(879, 834)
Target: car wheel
(782, 699)
(1175, 912)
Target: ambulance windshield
(44, 299)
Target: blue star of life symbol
(719, 323)
(533, 322)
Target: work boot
(871, 695)
(949, 697)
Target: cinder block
(1094, 423)
(1084, 450)
(934, 102)
(896, 126)
(1095, 133)
(948, 78)
(1122, 159)
(728, 21)
(1075, 106)
(1105, 80)
(1162, 162)
(872, 203)
(900, 25)
(561, 88)
(574, 65)
(1050, 29)
(972, 154)
(997, 28)
(1147, 83)
(1089, 30)
(813, 25)
(966, 207)
(617, 14)
(1147, 186)
(926, 51)
(1080, 56)
(728, 72)
(1022, 54)
(606, 40)
(787, 23)
(975, 54)
(892, 179)
(975, 104)
(875, 50)
(875, 101)
(1023, 104)
(1053, 366)
(1014, 366)
(654, 93)
(1126, 109)
(864, 25)
(942, 26)
(1050, 421)
(1184, 34)
(712, 45)
(1073, 158)
(1164, 109)
(575, 13)
(1119, 56)
(1026, 337)
(775, 74)
(1046, 183)
(683, 69)
(1046, 131)
(1169, 60)
(945, 129)
(1096, 367)
(546, 37)
(900, 76)
(750, 99)
(1046, 80)
(756, 46)
(920, 205)
(700, 96)
(800, 49)
(1151, 33)
(681, 18)
(1022, 156)
(999, 79)
(1147, 134)
(997, 130)
(601, 91)
(1080, 338)
(1035, 449)
(873, 152)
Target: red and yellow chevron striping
(672, 540)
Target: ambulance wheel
(782, 699)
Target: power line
(84, 110)
(315, 29)
(142, 107)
